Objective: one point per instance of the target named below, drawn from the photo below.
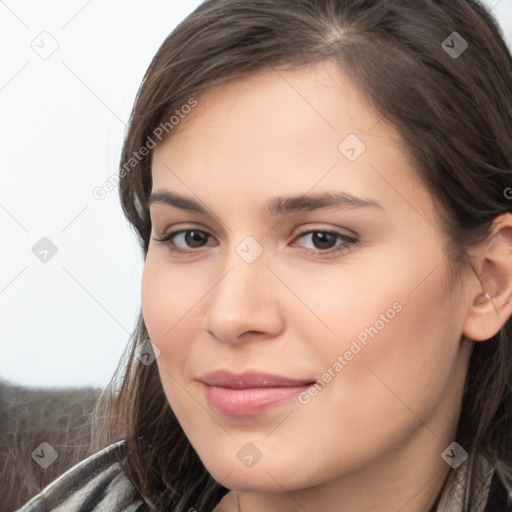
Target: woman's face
(352, 294)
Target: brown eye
(326, 242)
(195, 238)
(185, 239)
(323, 239)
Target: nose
(244, 304)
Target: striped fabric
(96, 484)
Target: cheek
(170, 310)
(154, 302)
(397, 332)
(169, 304)
(404, 369)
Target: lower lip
(249, 401)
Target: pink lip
(249, 393)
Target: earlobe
(491, 290)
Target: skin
(372, 438)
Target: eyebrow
(276, 205)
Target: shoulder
(96, 484)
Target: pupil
(323, 240)
(194, 238)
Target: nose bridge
(244, 276)
(242, 300)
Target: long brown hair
(453, 111)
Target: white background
(65, 322)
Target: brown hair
(454, 114)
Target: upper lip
(250, 379)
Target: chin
(266, 475)
(251, 481)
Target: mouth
(250, 393)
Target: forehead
(316, 100)
(282, 129)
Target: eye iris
(323, 240)
(194, 238)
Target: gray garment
(96, 484)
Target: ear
(490, 296)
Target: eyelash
(348, 242)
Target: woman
(322, 193)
